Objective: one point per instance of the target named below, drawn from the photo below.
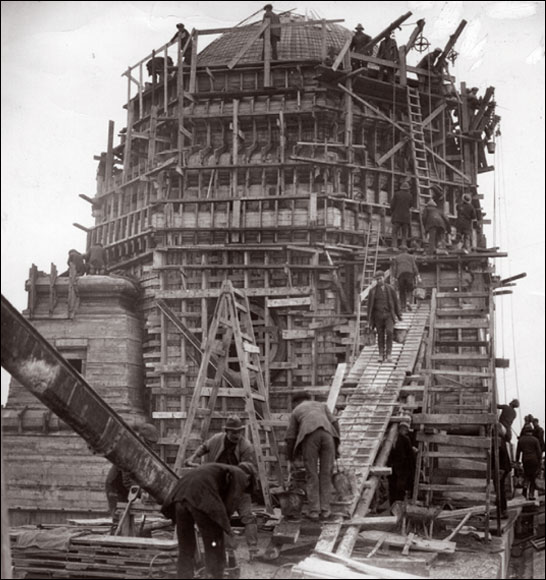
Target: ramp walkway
(365, 420)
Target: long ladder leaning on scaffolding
(418, 152)
(232, 322)
(368, 273)
(456, 426)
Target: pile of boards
(84, 555)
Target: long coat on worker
(206, 496)
(401, 204)
(394, 305)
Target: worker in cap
(401, 204)
(383, 310)
(274, 30)
(232, 448)
(402, 463)
(314, 432)
(464, 224)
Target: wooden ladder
(231, 323)
(459, 414)
(418, 149)
(369, 267)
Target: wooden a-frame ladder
(232, 323)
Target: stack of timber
(98, 556)
(121, 557)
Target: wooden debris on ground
(416, 543)
(329, 565)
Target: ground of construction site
(284, 341)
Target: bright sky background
(61, 83)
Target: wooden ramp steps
(365, 419)
(459, 410)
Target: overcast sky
(61, 83)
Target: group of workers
(208, 494)
(435, 222)
(92, 262)
(529, 449)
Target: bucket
(291, 502)
(400, 334)
(342, 483)
(491, 147)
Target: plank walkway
(365, 419)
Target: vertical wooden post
(140, 90)
(165, 82)
(128, 136)
(153, 131)
(193, 71)
(109, 157)
(6, 547)
(32, 276)
(235, 147)
(323, 53)
(282, 139)
(52, 290)
(159, 260)
(267, 56)
(402, 62)
(180, 95)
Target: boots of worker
(251, 535)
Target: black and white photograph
(273, 289)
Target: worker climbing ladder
(368, 273)
(418, 148)
(231, 323)
(457, 422)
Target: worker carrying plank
(232, 448)
(313, 430)
(206, 496)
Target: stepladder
(237, 381)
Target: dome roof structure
(302, 43)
